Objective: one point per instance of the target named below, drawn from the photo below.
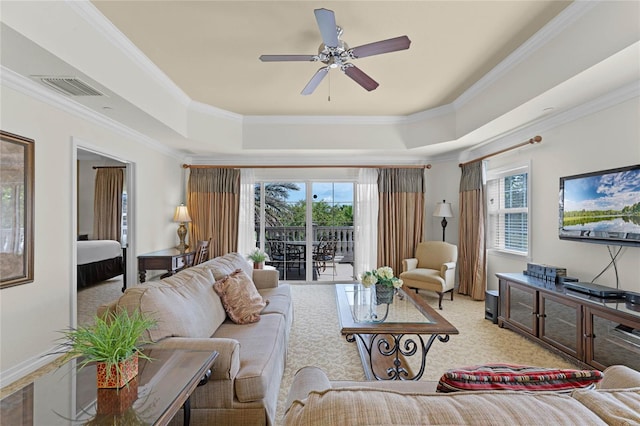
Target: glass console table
(69, 396)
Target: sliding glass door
(306, 228)
(332, 218)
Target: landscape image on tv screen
(602, 206)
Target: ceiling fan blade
(327, 25)
(281, 58)
(315, 81)
(384, 46)
(360, 77)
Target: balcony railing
(343, 235)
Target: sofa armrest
(107, 308)
(306, 380)
(409, 264)
(619, 377)
(228, 362)
(266, 278)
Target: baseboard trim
(21, 370)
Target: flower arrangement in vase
(258, 257)
(385, 283)
(113, 343)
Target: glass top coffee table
(387, 334)
(69, 396)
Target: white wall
(603, 140)
(443, 183)
(31, 314)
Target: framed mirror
(16, 215)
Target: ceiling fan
(335, 53)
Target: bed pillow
(517, 377)
(240, 298)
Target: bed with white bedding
(100, 260)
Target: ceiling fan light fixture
(335, 53)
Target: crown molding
(543, 124)
(324, 119)
(213, 111)
(430, 114)
(30, 88)
(558, 24)
(96, 19)
(86, 10)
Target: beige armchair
(433, 268)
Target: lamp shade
(182, 214)
(443, 209)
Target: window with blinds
(508, 210)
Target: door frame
(130, 259)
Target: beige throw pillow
(240, 298)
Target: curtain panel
(472, 258)
(213, 199)
(246, 222)
(366, 221)
(107, 204)
(400, 215)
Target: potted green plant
(113, 343)
(258, 257)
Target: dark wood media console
(593, 331)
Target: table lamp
(182, 216)
(444, 211)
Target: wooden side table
(170, 260)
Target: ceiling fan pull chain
(329, 97)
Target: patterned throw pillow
(516, 377)
(240, 298)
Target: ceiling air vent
(70, 86)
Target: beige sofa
(314, 400)
(243, 388)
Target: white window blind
(508, 210)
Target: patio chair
(324, 252)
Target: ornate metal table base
(391, 350)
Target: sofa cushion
(517, 377)
(365, 406)
(240, 298)
(614, 406)
(262, 355)
(183, 306)
(225, 265)
(279, 300)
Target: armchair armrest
(228, 362)
(446, 267)
(409, 264)
(266, 278)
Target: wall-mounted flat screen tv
(601, 207)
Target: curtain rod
(109, 167)
(535, 139)
(308, 166)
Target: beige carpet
(91, 297)
(316, 340)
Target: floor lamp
(444, 211)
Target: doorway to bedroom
(103, 231)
